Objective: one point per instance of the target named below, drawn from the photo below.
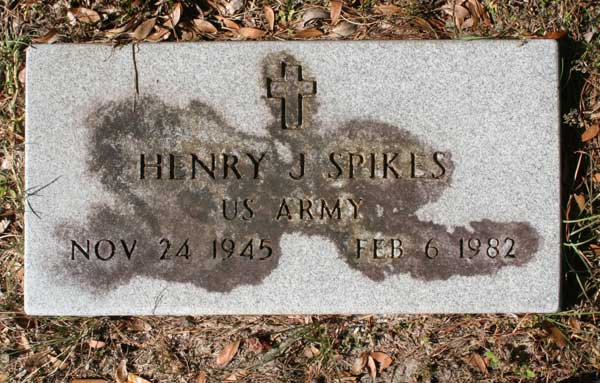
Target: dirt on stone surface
(427, 348)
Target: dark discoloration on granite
(148, 210)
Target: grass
(499, 348)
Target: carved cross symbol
(291, 89)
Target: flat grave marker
(293, 177)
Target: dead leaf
(372, 367)
(254, 345)
(388, 9)
(96, 343)
(590, 132)
(21, 75)
(477, 361)
(227, 354)
(312, 14)
(121, 372)
(132, 378)
(23, 343)
(174, 16)
(459, 13)
(200, 378)
(48, 38)
(204, 26)
(555, 334)
(230, 24)
(138, 325)
(580, 199)
(575, 324)
(117, 31)
(308, 33)
(4, 225)
(383, 359)
(597, 177)
(251, 33)
(269, 16)
(83, 15)
(588, 36)
(555, 35)
(233, 6)
(335, 10)
(359, 363)
(160, 34)
(144, 29)
(344, 29)
(56, 362)
(89, 381)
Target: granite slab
(293, 178)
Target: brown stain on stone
(148, 210)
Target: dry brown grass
(499, 348)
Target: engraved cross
(291, 89)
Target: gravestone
(292, 177)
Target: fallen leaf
(580, 199)
(308, 33)
(117, 31)
(588, 36)
(21, 75)
(372, 367)
(251, 33)
(388, 9)
(344, 29)
(335, 10)
(359, 363)
(89, 381)
(555, 334)
(597, 177)
(477, 361)
(204, 26)
(233, 6)
(315, 351)
(590, 132)
(230, 24)
(575, 324)
(227, 354)
(459, 13)
(555, 35)
(476, 11)
(4, 225)
(254, 345)
(138, 325)
(144, 29)
(200, 378)
(174, 16)
(121, 372)
(96, 343)
(269, 16)
(48, 38)
(83, 15)
(383, 359)
(56, 362)
(132, 378)
(23, 343)
(160, 34)
(313, 14)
